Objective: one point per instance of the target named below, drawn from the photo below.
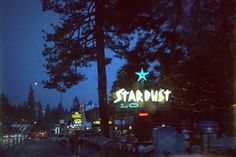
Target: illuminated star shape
(142, 75)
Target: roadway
(46, 148)
(37, 148)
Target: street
(46, 148)
(37, 148)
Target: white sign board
(78, 121)
(61, 121)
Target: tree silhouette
(30, 107)
(4, 109)
(210, 65)
(80, 38)
(174, 35)
(59, 112)
(191, 48)
(39, 125)
(39, 111)
(75, 104)
(48, 116)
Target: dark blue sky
(21, 57)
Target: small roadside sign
(76, 115)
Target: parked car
(34, 135)
(43, 134)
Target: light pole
(37, 84)
(61, 97)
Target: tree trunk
(101, 67)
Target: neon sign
(142, 75)
(130, 105)
(133, 98)
(138, 96)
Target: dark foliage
(190, 44)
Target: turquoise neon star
(142, 75)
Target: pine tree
(191, 44)
(59, 112)
(79, 39)
(39, 111)
(75, 104)
(4, 109)
(30, 107)
(48, 117)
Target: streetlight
(61, 96)
(36, 84)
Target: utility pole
(61, 97)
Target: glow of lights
(143, 114)
(98, 122)
(130, 127)
(161, 97)
(209, 129)
(76, 115)
(142, 75)
(133, 105)
(78, 121)
(131, 98)
(137, 96)
(147, 95)
(130, 105)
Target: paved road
(37, 148)
(46, 148)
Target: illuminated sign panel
(61, 121)
(133, 98)
(78, 121)
(76, 115)
(98, 122)
(138, 96)
(143, 114)
(142, 75)
(77, 118)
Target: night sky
(21, 57)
